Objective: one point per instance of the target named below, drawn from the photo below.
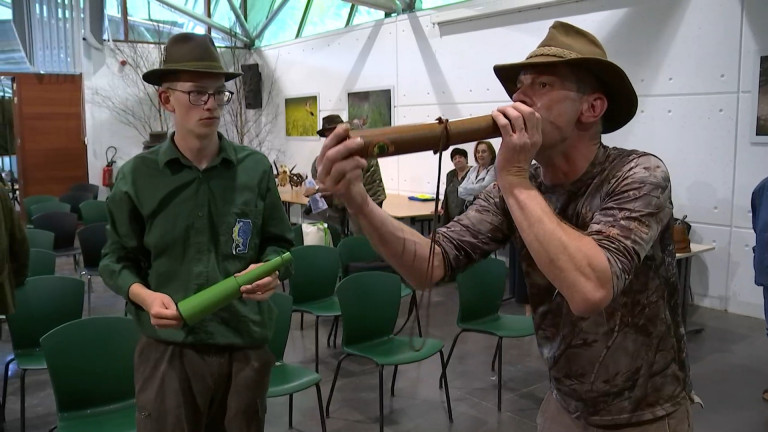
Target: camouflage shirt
(628, 363)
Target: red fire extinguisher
(107, 174)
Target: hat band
(552, 52)
(194, 65)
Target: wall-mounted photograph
(760, 131)
(370, 108)
(301, 116)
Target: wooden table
(683, 261)
(396, 205)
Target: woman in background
(452, 205)
(481, 175)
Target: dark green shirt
(178, 230)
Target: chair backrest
(86, 187)
(315, 272)
(357, 255)
(40, 239)
(47, 207)
(92, 239)
(74, 199)
(335, 234)
(369, 303)
(283, 304)
(41, 263)
(42, 304)
(93, 212)
(32, 200)
(63, 225)
(90, 362)
(298, 236)
(481, 289)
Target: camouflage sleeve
(634, 209)
(373, 183)
(483, 229)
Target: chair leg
(498, 378)
(416, 311)
(320, 405)
(336, 332)
(450, 354)
(394, 377)
(330, 331)
(333, 384)
(317, 345)
(22, 408)
(445, 380)
(381, 398)
(495, 354)
(290, 411)
(6, 374)
(90, 290)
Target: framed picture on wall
(759, 129)
(301, 117)
(368, 109)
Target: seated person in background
(372, 181)
(760, 262)
(452, 205)
(480, 176)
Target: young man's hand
(160, 307)
(260, 290)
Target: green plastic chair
(481, 289)
(40, 239)
(90, 362)
(287, 379)
(33, 200)
(313, 285)
(93, 212)
(369, 303)
(47, 207)
(42, 304)
(41, 263)
(357, 255)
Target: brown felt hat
(329, 124)
(188, 52)
(568, 44)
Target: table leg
(685, 292)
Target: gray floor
(728, 365)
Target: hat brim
(618, 89)
(156, 77)
(324, 132)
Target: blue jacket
(760, 225)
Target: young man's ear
(165, 99)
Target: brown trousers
(554, 418)
(185, 388)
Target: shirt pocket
(240, 235)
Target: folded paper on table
(196, 307)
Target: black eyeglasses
(200, 97)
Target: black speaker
(252, 85)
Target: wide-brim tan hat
(188, 52)
(568, 44)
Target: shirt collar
(169, 151)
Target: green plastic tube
(196, 307)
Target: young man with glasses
(184, 215)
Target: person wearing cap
(372, 181)
(452, 205)
(593, 225)
(183, 216)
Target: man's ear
(165, 100)
(593, 108)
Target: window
(364, 14)
(285, 26)
(325, 16)
(5, 10)
(429, 4)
